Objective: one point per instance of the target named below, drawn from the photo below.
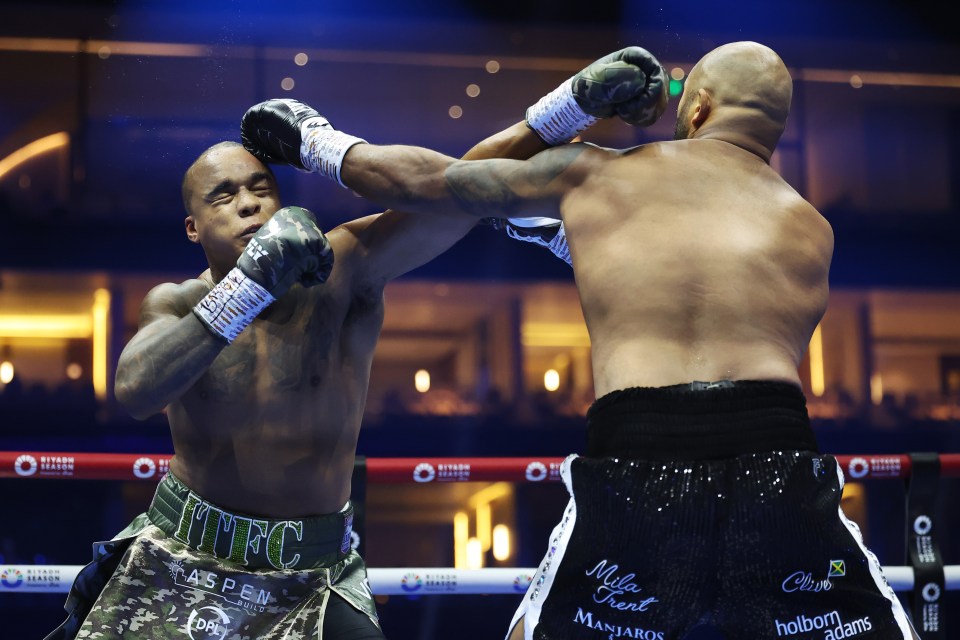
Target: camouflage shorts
(162, 588)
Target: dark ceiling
(901, 20)
(139, 120)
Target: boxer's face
(232, 195)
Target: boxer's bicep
(169, 352)
(515, 188)
(394, 242)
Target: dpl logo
(208, 622)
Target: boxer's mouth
(252, 229)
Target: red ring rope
(146, 466)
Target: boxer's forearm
(171, 350)
(159, 365)
(400, 177)
(422, 181)
(518, 142)
(417, 180)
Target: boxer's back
(695, 261)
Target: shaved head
(746, 75)
(186, 187)
(749, 87)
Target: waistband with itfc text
(249, 540)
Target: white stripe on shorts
(876, 572)
(539, 588)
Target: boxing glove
(289, 248)
(630, 83)
(291, 132)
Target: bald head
(211, 154)
(749, 90)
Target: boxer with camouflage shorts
(262, 363)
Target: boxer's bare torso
(694, 261)
(271, 427)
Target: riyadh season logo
(522, 581)
(875, 466)
(25, 465)
(411, 582)
(922, 525)
(11, 578)
(931, 592)
(536, 471)
(453, 472)
(424, 472)
(208, 622)
(442, 472)
(44, 465)
(144, 468)
(859, 467)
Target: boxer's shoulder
(176, 298)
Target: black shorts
(707, 507)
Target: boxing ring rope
(395, 581)
(135, 466)
(57, 578)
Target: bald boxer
(701, 500)
(262, 363)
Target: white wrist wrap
(322, 149)
(557, 118)
(558, 246)
(232, 304)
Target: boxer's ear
(190, 226)
(703, 108)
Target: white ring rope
(57, 578)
